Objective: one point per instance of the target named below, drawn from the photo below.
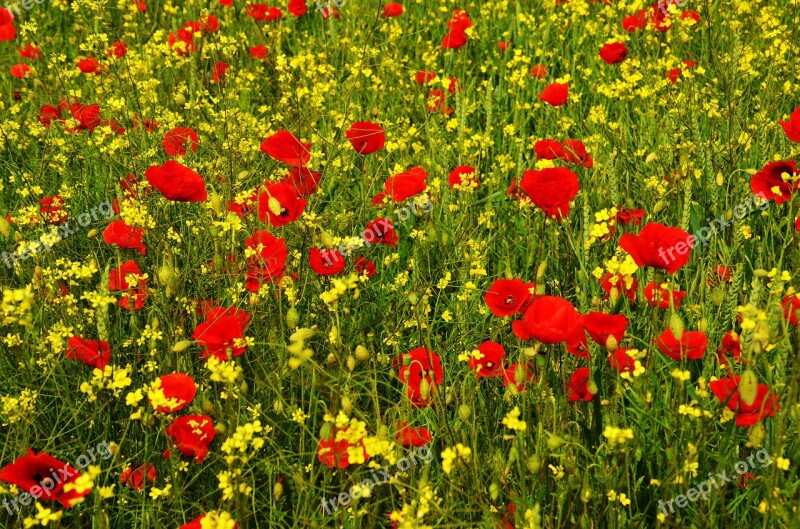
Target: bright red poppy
(335, 453)
(518, 375)
(462, 177)
(549, 319)
(551, 189)
(664, 247)
(410, 436)
(177, 182)
(53, 210)
(730, 347)
(791, 306)
(792, 127)
(764, 405)
(635, 22)
(366, 137)
(191, 435)
(93, 353)
(692, 345)
(222, 333)
(284, 147)
(7, 29)
(178, 389)
(602, 326)
(177, 140)
(660, 297)
(133, 295)
(491, 364)
(280, 204)
(777, 180)
(126, 237)
(136, 478)
(297, 7)
(621, 361)
(392, 9)
(421, 375)
(403, 185)
(327, 263)
(508, 296)
(35, 471)
(304, 181)
(555, 94)
(578, 388)
(614, 53)
(20, 71)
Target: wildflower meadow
(424, 264)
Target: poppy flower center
(509, 300)
(489, 365)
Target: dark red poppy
(730, 347)
(462, 176)
(136, 478)
(336, 454)
(48, 114)
(280, 204)
(284, 147)
(508, 296)
(517, 375)
(601, 326)
(327, 263)
(52, 209)
(664, 247)
(777, 180)
(551, 189)
(538, 71)
(660, 297)
(555, 94)
(424, 76)
(692, 345)
(627, 216)
(219, 71)
(259, 51)
(578, 388)
(421, 375)
(118, 50)
(126, 237)
(366, 137)
(297, 8)
(87, 116)
(392, 9)
(614, 53)
(191, 435)
(792, 127)
(548, 150)
(133, 296)
(177, 182)
(635, 22)
(36, 473)
(93, 353)
(764, 405)
(491, 364)
(304, 181)
(222, 333)
(7, 29)
(90, 65)
(20, 71)
(410, 436)
(403, 185)
(621, 361)
(178, 389)
(364, 266)
(549, 319)
(454, 39)
(178, 139)
(791, 306)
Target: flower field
(428, 264)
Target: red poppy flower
(579, 385)
(548, 150)
(259, 51)
(284, 147)
(425, 76)
(178, 139)
(177, 388)
(133, 296)
(691, 13)
(601, 326)
(191, 435)
(403, 185)
(518, 375)
(94, 353)
(7, 29)
(136, 479)
(366, 137)
(503, 45)
(126, 237)
(454, 39)
(791, 304)
(90, 65)
(614, 53)
(490, 365)
(37, 471)
(660, 17)
(635, 22)
(549, 319)
(280, 204)
(436, 101)
(219, 72)
(118, 49)
(334, 453)
(392, 9)
(269, 252)
(297, 7)
(627, 216)
(730, 347)
(792, 127)
(664, 247)
(304, 181)
(48, 114)
(182, 41)
(222, 333)
(462, 178)
(177, 182)
(421, 375)
(538, 71)
(659, 297)
(52, 209)
(575, 152)
(621, 361)
(551, 189)
(692, 345)
(327, 263)
(87, 116)
(460, 20)
(20, 71)
(508, 296)
(200, 522)
(555, 94)
(410, 436)
(764, 405)
(363, 266)
(777, 180)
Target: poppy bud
(351, 362)
(553, 442)
(374, 112)
(703, 324)
(277, 406)
(412, 298)
(756, 434)
(326, 431)
(243, 387)
(362, 353)
(530, 352)
(464, 412)
(652, 157)
(327, 239)
(347, 405)
(92, 233)
(534, 463)
(208, 407)
(220, 427)
(274, 206)
(760, 272)
(215, 201)
(541, 270)
(331, 359)
(156, 324)
(292, 318)
(748, 387)
(720, 180)
(277, 491)
(717, 296)
(180, 99)
(242, 175)
(676, 326)
(494, 491)
(444, 238)
(424, 388)
(659, 206)
(519, 374)
(5, 227)
(729, 214)
(612, 344)
(181, 346)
